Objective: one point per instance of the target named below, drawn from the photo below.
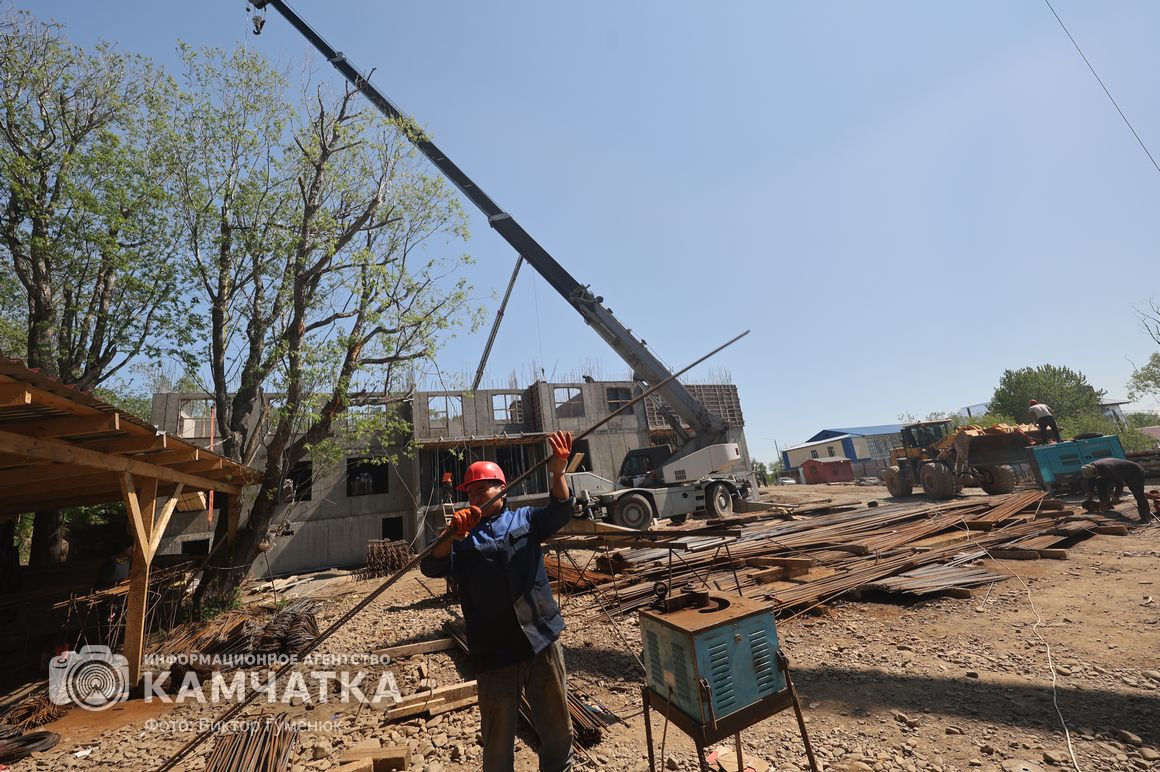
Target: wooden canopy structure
(61, 447)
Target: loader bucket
(992, 448)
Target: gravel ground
(944, 684)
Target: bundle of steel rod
(385, 557)
(33, 712)
(936, 577)
(291, 630)
(263, 744)
(849, 549)
(1008, 509)
(229, 633)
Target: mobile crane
(659, 482)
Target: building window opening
(569, 402)
(366, 477)
(301, 481)
(442, 409)
(618, 397)
(507, 408)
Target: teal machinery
(714, 666)
(1057, 464)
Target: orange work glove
(464, 520)
(561, 444)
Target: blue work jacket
(499, 571)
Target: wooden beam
(140, 503)
(172, 456)
(42, 473)
(15, 394)
(93, 488)
(136, 444)
(66, 425)
(422, 647)
(63, 452)
(163, 520)
(198, 466)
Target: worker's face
(478, 494)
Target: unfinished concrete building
(331, 511)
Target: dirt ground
(984, 682)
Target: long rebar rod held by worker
(185, 750)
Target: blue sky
(899, 199)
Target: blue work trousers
(543, 681)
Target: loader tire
(938, 481)
(633, 511)
(898, 483)
(719, 500)
(996, 479)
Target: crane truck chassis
(648, 488)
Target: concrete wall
(333, 528)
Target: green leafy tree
(1066, 391)
(1145, 380)
(82, 212)
(324, 255)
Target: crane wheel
(719, 500)
(633, 510)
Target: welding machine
(713, 667)
(710, 655)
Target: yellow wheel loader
(944, 460)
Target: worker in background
(1105, 474)
(1042, 415)
(513, 623)
(448, 486)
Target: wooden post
(141, 504)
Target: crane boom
(646, 367)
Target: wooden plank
(1053, 553)
(66, 425)
(1112, 530)
(765, 576)
(448, 706)
(15, 394)
(1013, 554)
(769, 562)
(71, 454)
(381, 759)
(139, 444)
(422, 647)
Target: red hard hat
(482, 470)
(447, 477)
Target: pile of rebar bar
(263, 744)
(917, 548)
(291, 630)
(33, 712)
(385, 557)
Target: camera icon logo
(93, 678)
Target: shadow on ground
(869, 691)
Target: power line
(1105, 88)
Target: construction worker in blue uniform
(513, 623)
